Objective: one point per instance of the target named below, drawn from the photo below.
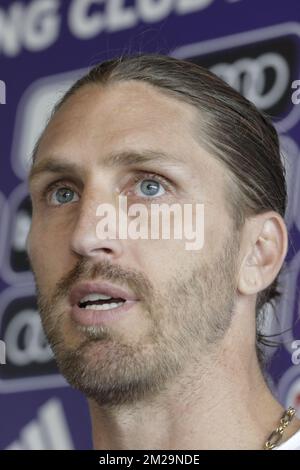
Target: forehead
(127, 114)
(136, 119)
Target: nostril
(87, 243)
(107, 250)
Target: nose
(88, 241)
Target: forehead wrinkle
(131, 158)
(127, 158)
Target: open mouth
(96, 301)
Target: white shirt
(293, 443)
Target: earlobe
(267, 248)
(247, 283)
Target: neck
(221, 402)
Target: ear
(265, 244)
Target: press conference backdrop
(44, 46)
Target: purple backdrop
(44, 46)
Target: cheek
(48, 253)
(161, 260)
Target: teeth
(94, 296)
(103, 306)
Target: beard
(188, 314)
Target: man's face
(184, 299)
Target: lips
(93, 314)
(81, 290)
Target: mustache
(84, 270)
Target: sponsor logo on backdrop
(3, 224)
(2, 92)
(36, 25)
(288, 306)
(296, 353)
(15, 265)
(2, 352)
(293, 395)
(288, 390)
(296, 93)
(49, 431)
(250, 77)
(290, 153)
(260, 64)
(33, 112)
(29, 359)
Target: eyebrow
(56, 164)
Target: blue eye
(63, 196)
(149, 187)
